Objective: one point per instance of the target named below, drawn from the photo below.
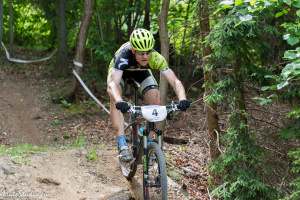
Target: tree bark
(100, 28)
(61, 60)
(11, 27)
(81, 40)
(138, 13)
(164, 46)
(239, 94)
(129, 18)
(185, 25)
(146, 24)
(1, 21)
(211, 113)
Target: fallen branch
(265, 121)
(265, 111)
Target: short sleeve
(157, 61)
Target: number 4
(155, 112)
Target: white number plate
(154, 113)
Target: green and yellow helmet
(141, 40)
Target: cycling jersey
(124, 59)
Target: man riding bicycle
(134, 60)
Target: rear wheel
(155, 186)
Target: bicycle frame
(147, 145)
(140, 149)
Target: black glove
(183, 105)
(123, 106)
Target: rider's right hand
(123, 106)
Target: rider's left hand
(184, 105)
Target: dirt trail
(58, 173)
(19, 110)
(63, 175)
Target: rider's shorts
(142, 77)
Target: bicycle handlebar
(172, 107)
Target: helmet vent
(141, 40)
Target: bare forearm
(114, 91)
(179, 89)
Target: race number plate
(154, 113)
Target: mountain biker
(134, 60)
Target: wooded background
(233, 53)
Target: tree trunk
(146, 24)
(129, 18)
(211, 113)
(164, 46)
(61, 61)
(100, 28)
(185, 25)
(138, 13)
(1, 21)
(11, 27)
(239, 94)
(82, 37)
(183, 49)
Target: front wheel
(155, 184)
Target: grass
(79, 142)
(92, 155)
(82, 108)
(20, 152)
(56, 122)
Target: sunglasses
(141, 53)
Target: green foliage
(291, 131)
(295, 156)
(291, 72)
(245, 186)
(216, 96)
(264, 101)
(236, 40)
(56, 122)
(82, 108)
(92, 155)
(295, 113)
(20, 153)
(238, 166)
(79, 142)
(31, 27)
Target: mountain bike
(145, 141)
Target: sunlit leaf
(291, 70)
(227, 2)
(262, 101)
(279, 14)
(291, 40)
(296, 3)
(252, 2)
(291, 55)
(246, 17)
(238, 2)
(282, 85)
(288, 2)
